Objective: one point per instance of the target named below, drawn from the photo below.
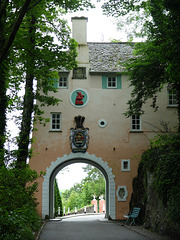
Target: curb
(147, 233)
(37, 237)
(77, 215)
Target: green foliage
(163, 160)
(156, 61)
(57, 200)
(81, 194)
(18, 217)
(18, 224)
(35, 43)
(144, 72)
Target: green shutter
(119, 82)
(55, 84)
(104, 82)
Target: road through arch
(60, 163)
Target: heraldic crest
(79, 136)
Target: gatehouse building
(89, 125)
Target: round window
(102, 123)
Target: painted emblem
(79, 136)
(79, 98)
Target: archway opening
(67, 163)
(82, 187)
(60, 163)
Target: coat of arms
(79, 136)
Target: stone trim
(122, 193)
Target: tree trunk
(178, 102)
(3, 83)
(9, 40)
(3, 104)
(24, 136)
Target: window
(125, 165)
(63, 81)
(55, 121)
(172, 98)
(136, 122)
(111, 82)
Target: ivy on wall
(156, 188)
(163, 160)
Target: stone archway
(55, 167)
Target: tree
(42, 59)
(81, 194)
(57, 200)
(74, 201)
(94, 183)
(156, 61)
(12, 15)
(18, 216)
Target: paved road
(90, 227)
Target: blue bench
(133, 215)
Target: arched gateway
(55, 167)
(97, 92)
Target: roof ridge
(111, 42)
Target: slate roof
(108, 57)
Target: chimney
(79, 29)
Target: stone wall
(153, 214)
(89, 209)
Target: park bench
(133, 215)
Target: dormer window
(111, 82)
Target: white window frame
(111, 82)
(63, 76)
(122, 165)
(55, 129)
(134, 126)
(173, 97)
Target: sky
(70, 175)
(100, 28)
